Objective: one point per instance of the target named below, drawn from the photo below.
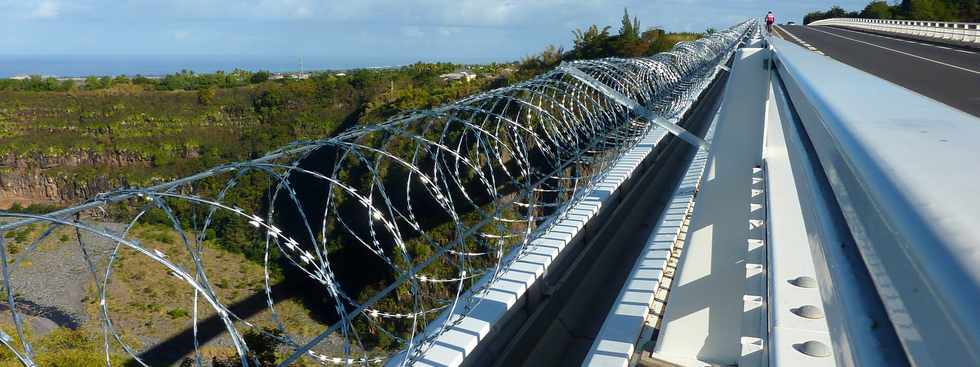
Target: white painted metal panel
(905, 179)
(790, 262)
(703, 317)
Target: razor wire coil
(490, 170)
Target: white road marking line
(902, 52)
(797, 39)
(965, 51)
(903, 40)
(804, 43)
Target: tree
(928, 10)
(877, 10)
(836, 12)
(812, 17)
(629, 28)
(591, 43)
(121, 79)
(628, 42)
(942, 10)
(966, 10)
(94, 83)
(534, 65)
(142, 80)
(260, 77)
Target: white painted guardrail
(961, 34)
(904, 182)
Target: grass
(148, 305)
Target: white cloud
(447, 31)
(182, 35)
(412, 32)
(303, 12)
(46, 9)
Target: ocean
(111, 65)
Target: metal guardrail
(902, 183)
(960, 34)
(798, 330)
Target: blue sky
(421, 29)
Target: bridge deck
(945, 74)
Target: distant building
(281, 76)
(459, 75)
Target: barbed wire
(436, 198)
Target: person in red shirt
(770, 19)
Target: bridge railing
(955, 33)
(900, 185)
(429, 203)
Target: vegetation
(184, 80)
(64, 347)
(942, 10)
(148, 305)
(595, 42)
(136, 131)
(33, 208)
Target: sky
(426, 30)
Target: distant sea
(98, 65)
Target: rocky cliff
(61, 180)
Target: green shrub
(177, 313)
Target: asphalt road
(945, 74)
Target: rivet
(813, 348)
(804, 282)
(808, 311)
